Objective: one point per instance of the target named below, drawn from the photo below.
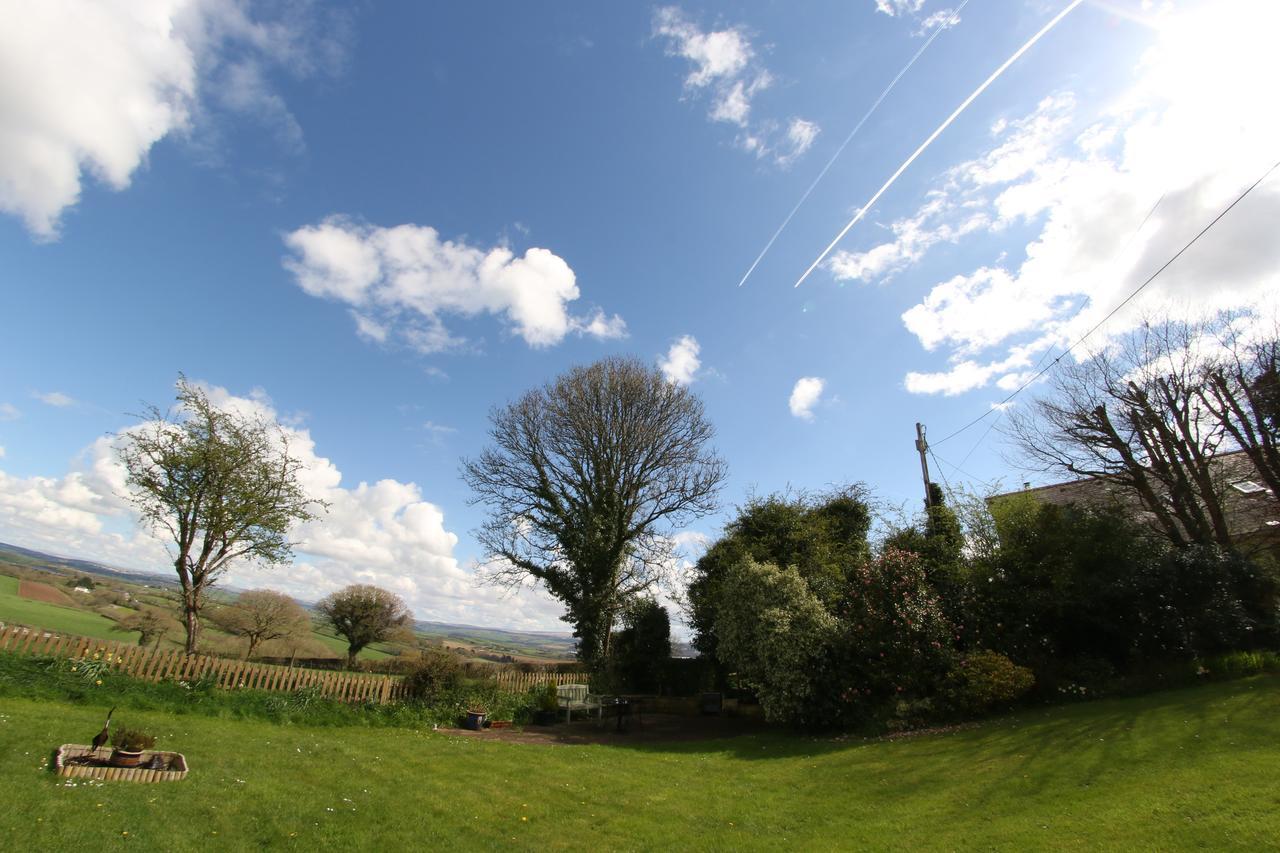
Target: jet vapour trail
(967, 101)
(857, 127)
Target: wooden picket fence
(152, 665)
(514, 681)
(174, 665)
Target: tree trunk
(191, 621)
(352, 651)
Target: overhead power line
(1113, 311)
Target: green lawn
(14, 608)
(1177, 770)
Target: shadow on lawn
(1079, 742)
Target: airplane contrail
(857, 127)
(967, 101)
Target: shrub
(432, 673)
(1240, 664)
(776, 635)
(984, 680)
(546, 697)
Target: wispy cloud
(1109, 195)
(9, 412)
(995, 75)
(53, 398)
(725, 68)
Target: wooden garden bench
(575, 697)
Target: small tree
(260, 615)
(220, 485)
(584, 480)
(152, 625)
(643, 645)
(364, 614)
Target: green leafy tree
(821, 536)
(643, 645)
(776, 636)
(219, 485)
(364, 614)
(585, 479)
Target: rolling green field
(14, 608)
(1187, 769)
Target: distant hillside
(40, 560)
(472, 641)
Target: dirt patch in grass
(646, 728)
(43, 592)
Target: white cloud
(725, 65)
(385, 533)
(1109, 193)
(894, 8)
(404, 280)
(1, 451)
(801, 135)
(805, 395)
(943, 19)
(88, 87)
(600, 326)
(9, 412)
(53, 398)
(681, 363)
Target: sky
(375, 223)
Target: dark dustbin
(711, 703)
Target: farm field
(1185, 769)
(73, 620)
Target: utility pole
(922, 447)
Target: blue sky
(376, 224)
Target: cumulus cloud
(53, 398)
(385, 533)
(88, 87)
(724, 67)
(404, 280)
(9, 412)
(805, 396)
(681, 363)
(1109, 194)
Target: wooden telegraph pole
(922, 447)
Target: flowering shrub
(985, 680)
(897, 641)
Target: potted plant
(475, 719)
(128, 746)
(548, 705)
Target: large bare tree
(1154, 415)
(259, 615)
(219, 484)
(585, 479)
